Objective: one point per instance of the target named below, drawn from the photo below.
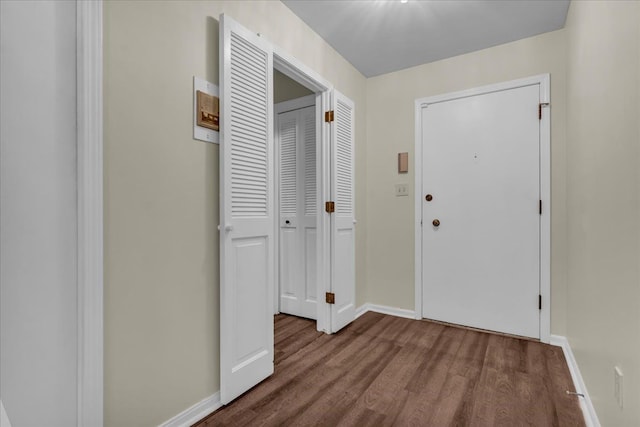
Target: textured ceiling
(381, 36)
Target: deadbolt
(428, 197)
(436, 222)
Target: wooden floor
(383, 370)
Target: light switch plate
(402, 190)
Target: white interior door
(296, 140)
(343, 219)
(247, 218)
(481, 166)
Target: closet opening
(297, 150)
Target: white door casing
(247, 210)
(296, 154)
(343, 219)
(482, 158)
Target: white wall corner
(90, 212)
(383, 309)
(195, 413)
(589, 412)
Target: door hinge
(542, 104)
(330, 298)
(328, 116)
(330, 207)
(540, 207)
(539, 302)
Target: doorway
(296, 152)
(483, 207)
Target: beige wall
(161, 196)
(390, 129)
(603, 188)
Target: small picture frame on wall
(208, 114)
(206, 111)
(403, 162)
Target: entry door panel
(247, 273)
(298, 212)
(481, 166)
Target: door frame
(279, 108)
(90, 240)
(543, 80)
(293, 68)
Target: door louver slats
(288, 185)
(344, 172)
(310, 203)
(248, 148)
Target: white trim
(195, 413)
(545, 189)
(541, 79)
(90, 212)
(589, 412)
(298, 71)
(295, 104)
(545, 218)
(383, 309)
(417, 167)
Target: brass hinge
(330, 207)
(328, 116)
(542, 104)
(330, 298)
(539, 302)
(540, 206)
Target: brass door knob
(428, 197)
(436, 222)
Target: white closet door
(298, 212)
(247, 263)
(343, 220)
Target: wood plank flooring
(388, 371)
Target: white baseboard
(195, 413)
(589, 412)
(383, 309)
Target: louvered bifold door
(247, 221)
(343, 219)
(296, 133)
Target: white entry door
(480, 210)
(247, 214)
(343, 219)
(296, 141)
